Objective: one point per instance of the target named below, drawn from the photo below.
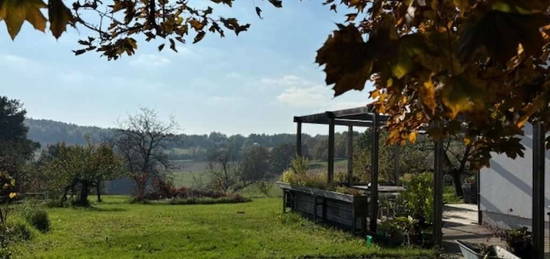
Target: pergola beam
(342, 122)
(350, 154)
(438, 193)
(374, 176)
(538, 190)
(299, 139)
(330, 176)
(361, 116)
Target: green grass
(257, 229)
(449, 195)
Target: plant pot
(469, 191)
(469, 251)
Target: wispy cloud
(150, 60)
(309, 97)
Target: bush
(395, 232)
(418, 196)
(519, 241)
(12, 232)
(19, 231)
(264, 187)
(37, 218)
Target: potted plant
(469, 190)
(479, 251)
(519, 241)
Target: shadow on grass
(93, 208)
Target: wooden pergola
(367, 117)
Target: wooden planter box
(341, 210)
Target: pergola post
(350, 154)
(438, 193)
(538, 190)
(330, 175)
(374, 175)
(299, 138)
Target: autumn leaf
(15, 12)
(345, 58)
(276, 3)
(259, 12)
(427, 95)
(199, 37)
(500, 33)
(60, 16)
(412, 137)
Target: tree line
(195, 147)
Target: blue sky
(253, 83)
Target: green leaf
(15, 12)
(460, 94)
(59, 16)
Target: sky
(253, 83)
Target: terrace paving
(460, 223)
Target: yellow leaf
(402, 67)
(12, 195)
(15, 12)
(427, 94)
(467, 141)
(412, 137)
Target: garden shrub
(166, 193)
(418, 196)
(38, 218)
(396, 231)
(19, 231)
(519, 241)
(264, 187)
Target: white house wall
(506, 187)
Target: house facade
(506, 188)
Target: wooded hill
(183, 146)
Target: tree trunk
(141, 184)
(83, 198)
(98, 191)
(457, 183)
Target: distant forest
(183, 146)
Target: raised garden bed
(341, 210)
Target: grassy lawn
(257, 229)
(449, 195)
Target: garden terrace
(367, 117)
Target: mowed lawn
(257, 229)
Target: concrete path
(460, 222)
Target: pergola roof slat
(360, 116)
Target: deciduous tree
(473, 67)
(141, 141)
(72, 168)
(113, 28)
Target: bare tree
(141, 142)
